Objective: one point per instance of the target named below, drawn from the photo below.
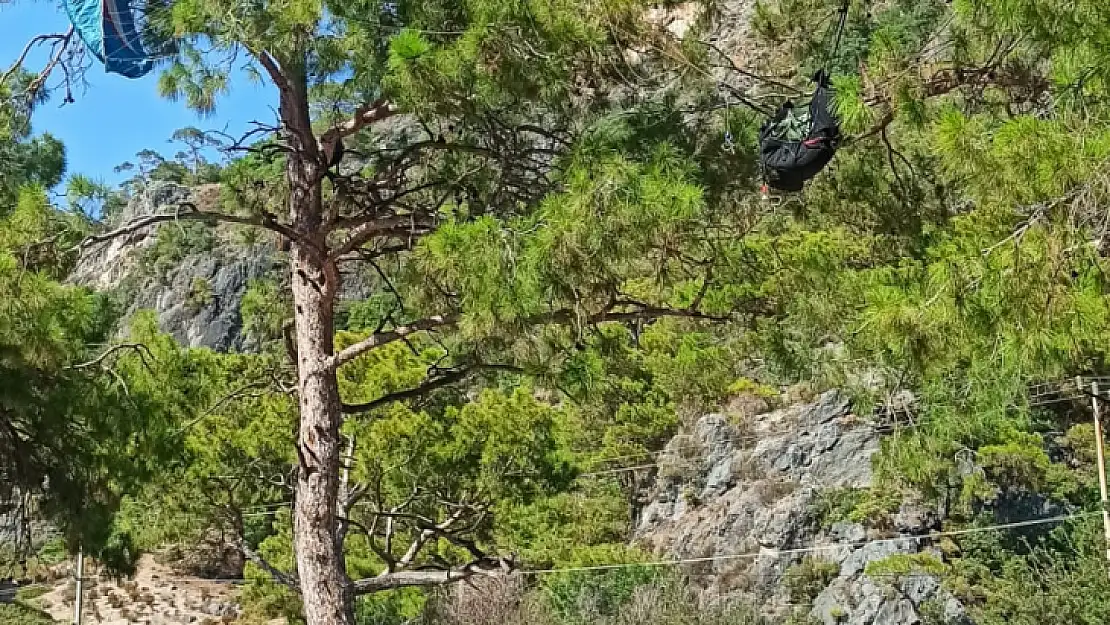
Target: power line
(1039, 399)
(817, 548)
(724, 557)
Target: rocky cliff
(750, 492)
(193, 277)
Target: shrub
(808, 578)
(200, 294)
(22, 614)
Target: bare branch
(490, 567)
(55, 58)
(384, 338)
(64, 38)
(447, 378)
(278, 576)
(143, 351)
(402, 226)
(266, 220)
(364, 115)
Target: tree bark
(326, 589)
(324, 583)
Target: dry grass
(507, 601)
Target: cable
(1039, 397)
(817, 548)
(839, 31)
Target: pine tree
(462, 118)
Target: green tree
(465, 116)
(76, 431)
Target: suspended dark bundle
(796, 144)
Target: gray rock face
(215, 323)
(209, 318)
(750, 488)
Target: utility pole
(1101, 455)
(77, 607)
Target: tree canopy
(519, 252)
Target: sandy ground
(155, 596)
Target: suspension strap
(729, 147)
(843, 19)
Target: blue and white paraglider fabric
(109, 30)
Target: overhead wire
(818, 548)
(749, 555)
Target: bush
(809, 577)
(21, 614)
(173, 243)
(200, 294)
(585, 597)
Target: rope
(839, 33)
(729, 147)
(816, 548)
(751, 555)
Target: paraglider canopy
(110, 31)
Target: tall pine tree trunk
(320, 563)
(325, 587)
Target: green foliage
(199, 295)
(22, 614)
(95, 199)
(805, 580)
(264, 308)
(835, 505)
(956, 247)
(578, 597)
(905, 564)
(173, 243)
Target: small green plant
(808, 578)
(690, 496)
(746, 386)
(834, 505)
(200, 294)
(902, 564)
(875, 508)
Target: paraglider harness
(796, 143)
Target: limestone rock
(758, 486)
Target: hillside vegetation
(537, 262)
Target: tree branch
(384, 338)
(64, 38)
(639, 311)
(394, 225)
(143, 351)
(364, 115)
(280, 577)
(446, 379)
(266, 220)
(44, 75)
(401, 579)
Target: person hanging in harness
(796, 143)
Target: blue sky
(117, 117)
